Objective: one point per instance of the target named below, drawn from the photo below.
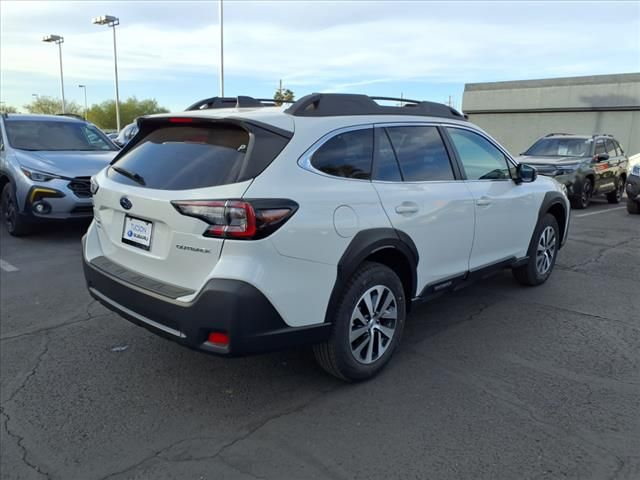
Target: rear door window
(186, 157)
(347, 155)
(421, 153)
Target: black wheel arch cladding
(367, 243)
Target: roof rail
(235, 102)
(602, 135)
(340, 104)
(557, 133)
(72, 115)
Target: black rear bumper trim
(236, 308)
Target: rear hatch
(140, 221)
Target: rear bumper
(226, 306)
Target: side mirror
(601, 157)
(526, 173)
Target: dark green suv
(587, 165)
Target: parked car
(633, 190)
(229, 233)
(587, 165)
(126, 134)
(46, 162)
(112, 135)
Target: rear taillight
(239, 219)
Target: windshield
(55, 135)
(561, 147)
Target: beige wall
(518, 131)
(518, 113)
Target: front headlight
(38, 176)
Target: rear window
(188, 157)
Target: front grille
(81, 186)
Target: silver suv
(46, 163)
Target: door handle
(407, 208)
(483, 201)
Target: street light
(221, 69)
(84, 87)
(58, 40)
(112, 21)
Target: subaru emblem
(126, 203)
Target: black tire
(337, 355)
(616, 196)
(633, 206)
(581, 202)
(15, 223)
(531, 274)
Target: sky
(169, 50)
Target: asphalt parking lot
(496, 381)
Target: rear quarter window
(347, 154)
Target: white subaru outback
(254, 228)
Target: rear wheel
(367, 326)
(616, 196)
(542, 253)
(633, 206)
(15, 223)
(581, 202)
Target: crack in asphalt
(515, 405)
(220, 451)
(19, 439)
(600, 254)
(89, 316)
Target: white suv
(254, 228)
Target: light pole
(112, 21)
(221, 69)
(58, 40)
(84, 87)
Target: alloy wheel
(546, 250)
(8, 210)
(373, 324)
(586, 193)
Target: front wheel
(542, 253)
(367, 325)
(616, 196)
(15, 223)
(581, 202)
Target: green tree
(7, 108)
(285, 94)
(52, 106)
(104, 114)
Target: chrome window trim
(305, 159)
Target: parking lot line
(7, 267)
(600, 211)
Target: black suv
(586, 164)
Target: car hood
(529, 160)
(66, 163)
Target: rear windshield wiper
(133, 176)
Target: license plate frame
(128, 235)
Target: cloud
(333, 46)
